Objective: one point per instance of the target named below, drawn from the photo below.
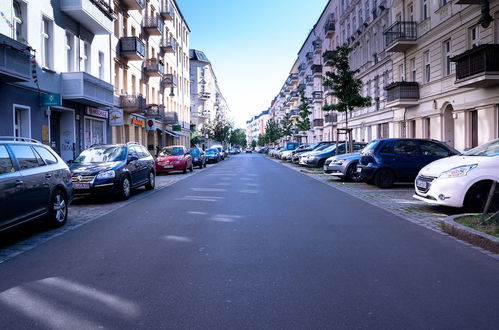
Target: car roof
(176, 146)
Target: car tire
(185, 169)
(476, 197)
(125, 188)
(321, 163)
(58, 209)
(352, 174)
(384, 178)
(191, 168)
(151, 183)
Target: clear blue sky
(251, 45)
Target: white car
(461, 181)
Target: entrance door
(55, 131)
(67, 135)
(449, 126)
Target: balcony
(329, 29)
(302, 68)
(317, 45)
(318, 123)
(401, 36)
(153, 25)
(168, 46)
(294, 113)
(169, 81)
(155, 111)
(330, 119)
(309, 80)
(132, 48)
(327, 54)
(153, 67)
(15, 63)
(317, 96)
(134, 4)
(84, 88)
(171, 117)
(302, 86)
(402, 94)
(96, 16)
(293, 78)
(478, 67)
(166, 10)
(133, 103)
(317, 69)
(309, 57)
(295, 96)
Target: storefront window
(95, 132)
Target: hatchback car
(35, 183)
(461, 181)
(174, 158)
(113, 169)
(198, 158)
(384, 162)
(212, 155)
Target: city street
(249, 243)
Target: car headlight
(338, 161)
(106, 175)
(174, 163)
(457, 171)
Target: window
(101, 65)
(46, 155)
(474, 128)
(86, 57)
(46, 50)
(475, 36)
(70, 52)
(413, 69)
(401, 72)
(427, 122)
(405, 147)
(410, 12)
(446, 57)
(6, 165)
(18, 22)
(22, 122)
(25, 156)
(427, 67)
(429, 148)
(425, 9)
(443, 2)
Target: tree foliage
(253, 143)
(286, 125)
(272, 131)
(303, 123)
(238, 137)
(343, 84)
(218, 129)
(261, 140)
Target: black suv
(113, 169)
(34, 183)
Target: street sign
(176, 128)
(116, 117)
(51, 100)
(150, 124)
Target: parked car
(304, 155)
(198, 158)
(212, 155)
(263, 150)
(318, 158)
(220, 151)
(174, 158)
(461, 181)
(288, 154)
(313, 147)
(35, 183)
(249, 150)
(384, 162)
(113, 169)
(343, 166)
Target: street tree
(219, 129)
(303, 123)
(261, 140)
(253, 143)
(343, 84)
(238, 137)
(286, 125)
(272, 131)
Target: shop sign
(97, 112)
(51, 100)
(176, 128)
(150, 124)
(137, 121)
(116, 117)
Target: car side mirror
(132, 159)
(71, 161)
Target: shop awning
(172, 133)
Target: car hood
(437, 167)
(169, 158)
(92, 169)
(349, 156)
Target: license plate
(81, 185)
(168, 166)
(421, 184)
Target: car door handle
(19, 182)
(48, 176)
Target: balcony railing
(317, 45)
(153, 67)
(171, 117)
(155, 111)
(400, 36)
(168, 45)
(94, 15)
(309, 57)
(133, 103)
(329, 28)
(295, 96)
(294, 113)
(478, 67)
(132, 48)
(166, 10)
(317, 69)
(153, 25)
(134, 4)
(14, 60)
(402, 94)
(302, 86)
(84, 88)
(317, 96)
(331, 118)
(309, 80)
(318, 122)
(169, 81)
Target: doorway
(449, 125)
(62, 132)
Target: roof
(197, 55)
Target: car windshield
(371, 146)
(101, 155)
(323, 147)
(194, 152)
(490, 149)
(211, 151)
(174, 151)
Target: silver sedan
(343, 166)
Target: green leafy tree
(286, 125)
(261, 140)
(272, 131)
(343, 84)
(238, 137)
(303, 123)
(253, 143)
(219, 129)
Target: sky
(251, 45)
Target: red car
(174, 158)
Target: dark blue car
(384, 162)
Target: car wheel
(321, 163)
(58, 212)
(384, 178)
(352, 174)
(191, 168)
(185, 169)
(476, 197)
(125, 188)
(152, 181)
(204, 165)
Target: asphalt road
(250, 244)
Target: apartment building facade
(256, 126)
(55, 79)
(150, 52)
